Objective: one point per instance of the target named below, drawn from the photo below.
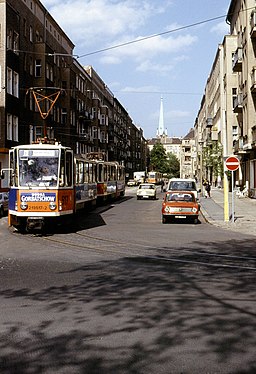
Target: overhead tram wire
(159, 34)
(76, 56)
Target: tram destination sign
(232, 163)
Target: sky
(147, 49)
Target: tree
(158, 158)
(164, 163)
(173, 166)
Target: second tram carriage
(48, 182)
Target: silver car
(146, 191)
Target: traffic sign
(232, 163)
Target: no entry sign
(232, 163)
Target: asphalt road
(117, 291)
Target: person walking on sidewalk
(207, 188)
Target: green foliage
(173, 165)
(213, 158)
(164, 163)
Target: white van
(186, 184)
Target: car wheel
(195, 221)
(164, 220)
(1, 211)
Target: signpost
(232, 164)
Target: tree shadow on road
(138, 315)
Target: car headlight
(166, 209)
(194, 210)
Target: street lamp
(200, 142)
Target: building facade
(225, 124)
(46, 92)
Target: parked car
(183, 184)
(4, 201)
(180, 205)
(146, 191)
(131, 183)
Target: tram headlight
(23, 205)
(52, 205)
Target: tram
(48, 182)
(154, 177)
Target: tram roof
(40, 146)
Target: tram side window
(106, 172)
(66, 169)
(77, 172)
(69, 168)
(87, 172)
(81, 172)
(94, 172)
(112, 174)
(14, 171)
(100, 173)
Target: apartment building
(226, 121)
(242, 19)
(46, 92)
(217, 123)
(188, 156)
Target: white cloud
(141, 89)
(87, 22)
(221, 28)
(153, 47)
(147, 66)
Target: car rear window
(180, 197)
(182, 185)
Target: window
(15, 82)
(31, 34)
(38, 68)
(9, 39)
(15, 128)
(15, 42)
(63, 116)
(12, 82)
(9, 81)
(12, 127)
(234, 130)
(25, 27)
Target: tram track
(99, 245)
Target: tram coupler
(35, 223)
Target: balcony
(238, 103)
(84, 137)
(253, 24)
(253, 80)
(237, 60)
(238, 145)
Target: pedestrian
(162, 185)
(208, 189)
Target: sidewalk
(245, 212)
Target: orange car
(180, 205)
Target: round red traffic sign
(232, 163)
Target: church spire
(161, 130)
